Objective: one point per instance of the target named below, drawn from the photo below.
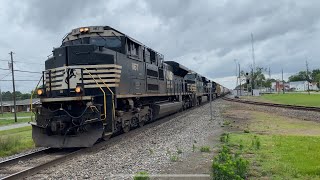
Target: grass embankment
(276, 147)
(15, 140)
(8, 118)
(302, 99)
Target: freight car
(100, 82)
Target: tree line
(260, 80)
(8, 96)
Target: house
(303, 86)
(279, 85)
(21, 105)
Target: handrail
(33, 94)
(104, 95)
(113, 108)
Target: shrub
(141, 176)
(246, 131)
(205, 149)
(179, 151)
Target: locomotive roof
(101, 30)
(178, 69)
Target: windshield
(108, 42)
(190, 77)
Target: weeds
(179, 151)
(205, 149)
(174, 158)
(224, 138)
(193, 148)
(255, 142)
(143, 175)
(151, 151)
(246, 131)
(226, 166)
(226, 123)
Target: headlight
(40, 92)
(84, 30)
(79, 89)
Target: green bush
(141, 176)
(205, 149)
(226, 166)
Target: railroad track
(28, 164)
(305, 108)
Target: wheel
(126, 128)
(141, 123)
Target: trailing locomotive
(101, 81)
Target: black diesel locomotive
(100, 82)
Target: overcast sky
(205, 36)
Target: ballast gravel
(292, 113)
(149, 149)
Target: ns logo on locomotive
(100, 82)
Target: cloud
(205, 36)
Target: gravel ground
(145, 149)
(305, 115)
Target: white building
(303, 86)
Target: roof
(21, 102)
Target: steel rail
(288, 106)
(34, 169)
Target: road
(13, 126)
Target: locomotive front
(77, 90)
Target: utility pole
(210, 85)
(235, 61)
(1, 102)
(307, 66)
(254, 64)
(239, 78)
(282, 81)
(270, 79)
(14, 88)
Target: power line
(20, 80)
(5, 75)
(28, 62)
(22, 71)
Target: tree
(301, 76)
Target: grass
(278, 147)
(6, 118)
(204, 149)
(143, 175)
(15, 140)
(294, 99)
